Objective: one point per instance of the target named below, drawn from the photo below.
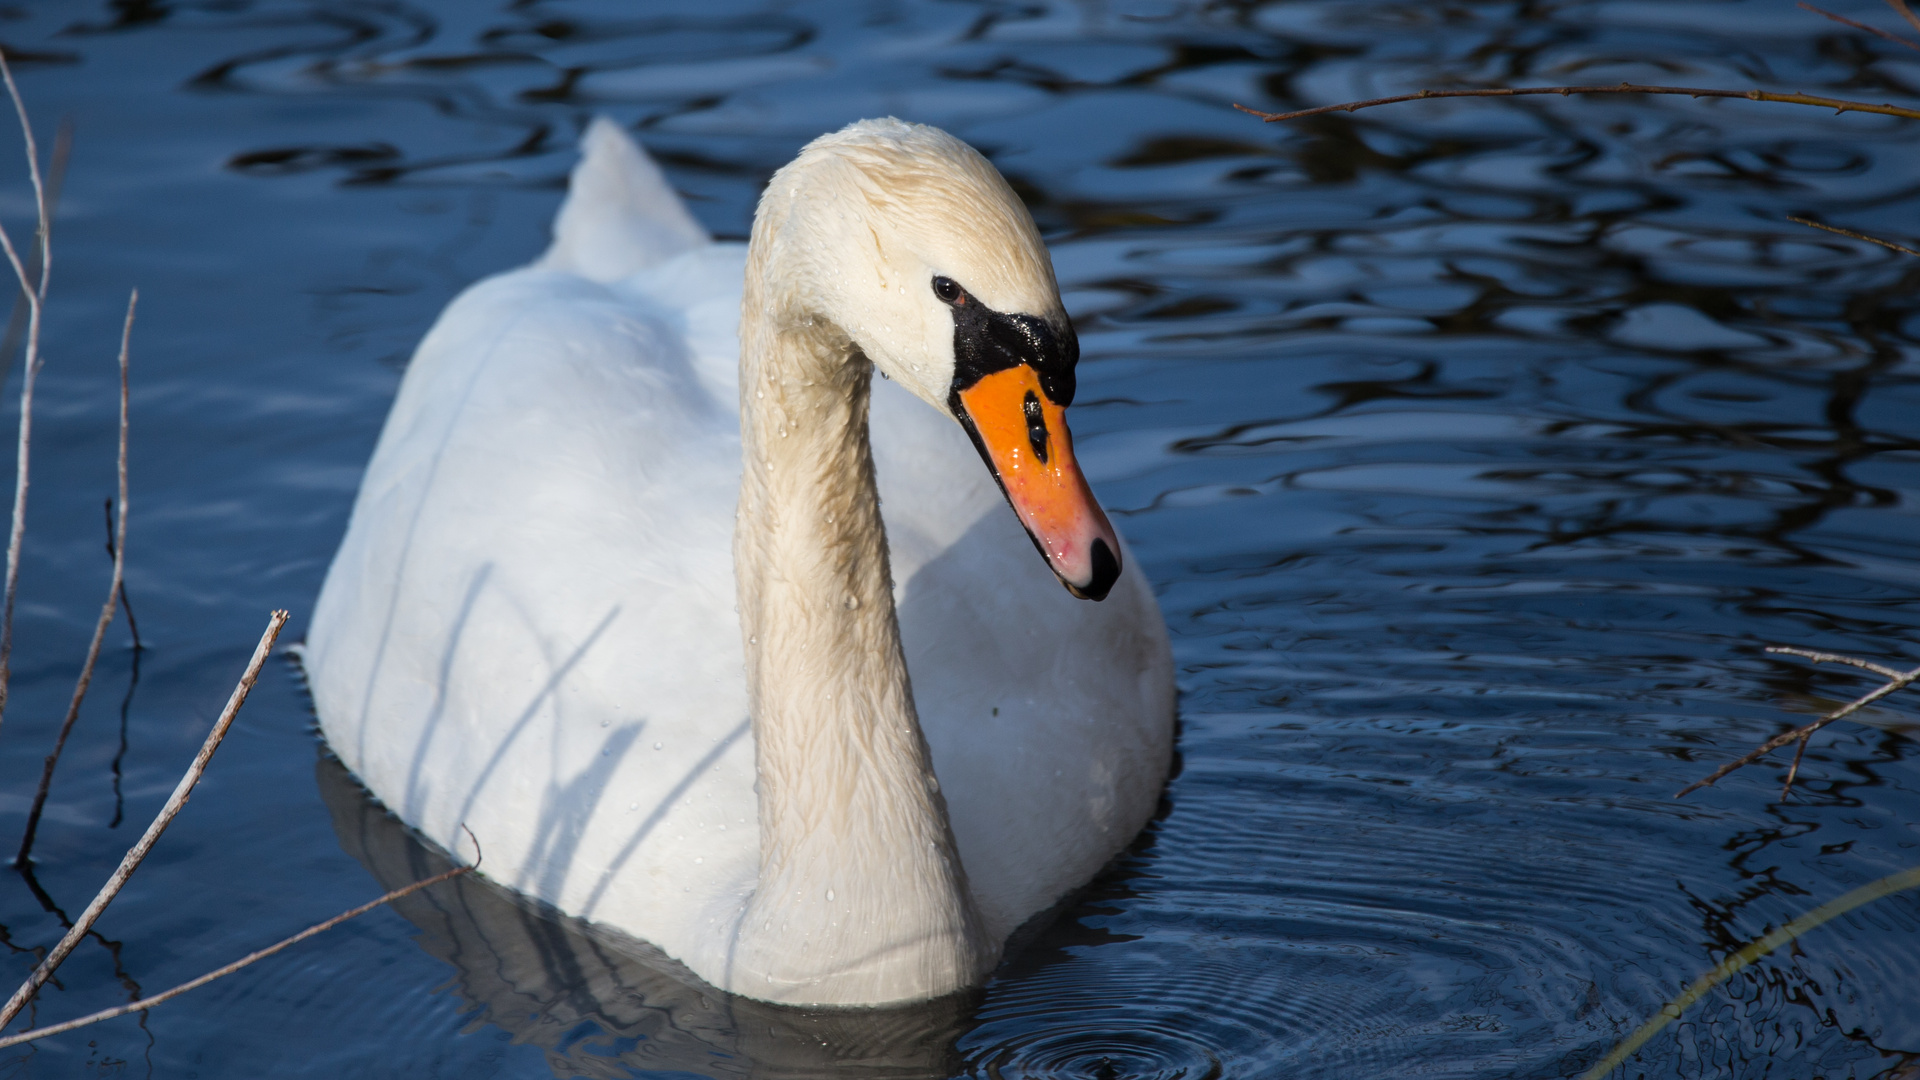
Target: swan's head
(913, 245)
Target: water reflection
(603, 1005)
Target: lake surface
(1475, 450)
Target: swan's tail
(621, 216)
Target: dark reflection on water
(601, 1004)
(1474, 449)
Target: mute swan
(533, 627)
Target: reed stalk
(1740, 958)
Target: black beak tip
(1106, 571)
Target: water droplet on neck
(829, 896)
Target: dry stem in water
(35, 289)
(56, 177)
(167, 813)
(1896, 680)
(1836, 104)
(144, 1004)
(119, 547)
(1854, 235)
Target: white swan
(532, 628)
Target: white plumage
(530, 629)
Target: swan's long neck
(861, 896)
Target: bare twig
(1747, 954)
(33, 157)
(35, 288)
(1793, 770)
(1905, 12)
(56, 179)
(1854, 235)
(1858, 25)
(1836, 658)
(106, 610)
(1836, 104)
(1897, 680)
(194, 984)
(138, 852)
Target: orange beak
(1023, 435)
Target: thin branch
(19, 270)
(1897, 680)
(33, 161)
(1836, 658)
(1854, 235)
(1896, 38)
(1747, 954)
(43, 209)
(119, 552)
(194, 984)
(36, 290)
(1836, 104)
(56, 180)
(1905, 12)
(165, 817)
(1793, 770)
(106, 610)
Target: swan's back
(529, 629)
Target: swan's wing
(621, 216)
(529, 631)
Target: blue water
(1475, 450)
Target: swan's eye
(949, 290)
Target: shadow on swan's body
(532, 627)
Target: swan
(618, 595)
